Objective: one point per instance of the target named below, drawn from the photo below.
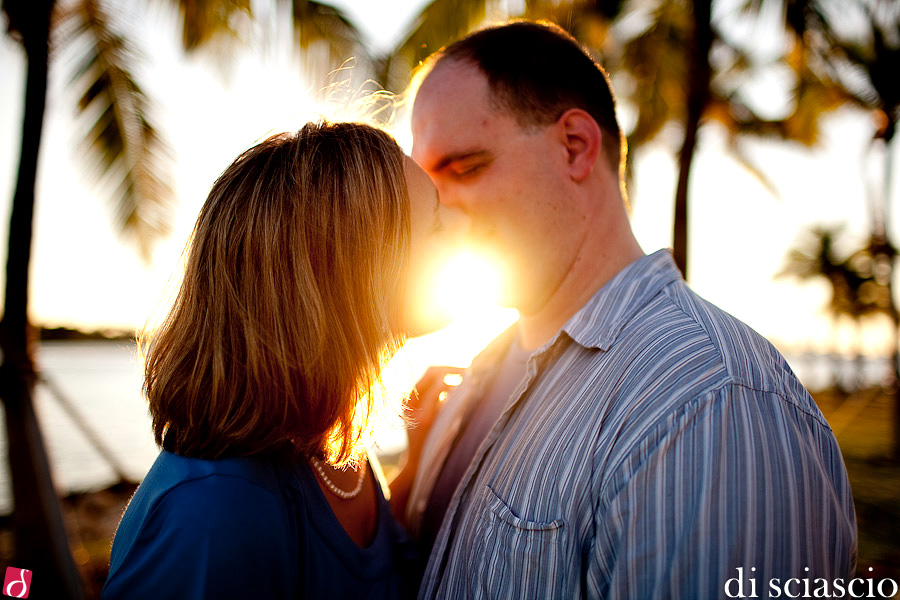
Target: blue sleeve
(217, 537)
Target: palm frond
(814, 97)
(736, 149)
(871, 64)
(319, 25)
(657, 61)
(588, 21)
(205, 20)
(122, 145)
(565, 14)
(440, 23)
(857, 289)
(750, 7)
(884, 69)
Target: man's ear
(581, 138)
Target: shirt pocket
(519, 558)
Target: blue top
(247, 527)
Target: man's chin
(528, 300)
(517, 300)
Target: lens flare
(461, 290)
(466, 284)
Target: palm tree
(669, 66)
(40, 537)
(441, 22)
(125, 148)
(857, 289)
(698, 93)
(674, 80)
(671, 77)
(864, 63)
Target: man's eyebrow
(455, 156)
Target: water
(103, 381)
(821, 371)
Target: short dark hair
(537, 71)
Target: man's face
(512, 181)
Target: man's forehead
(452, 73)
(448, 85)
(451, 105)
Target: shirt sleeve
(741, 484)
(218, 537)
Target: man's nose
(449, 196)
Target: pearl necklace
(344, 495)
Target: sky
(84, 275)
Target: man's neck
(601, 258)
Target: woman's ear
(581, 138)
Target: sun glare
(464, 289)
(466, 284)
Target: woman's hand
(421, 409)
(425, 402)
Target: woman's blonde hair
(290, 300)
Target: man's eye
(464, 169)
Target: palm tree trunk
(40, 538)
(895, 316)
(698, 96)
(885, 253)
(895, 371)
(893, 388)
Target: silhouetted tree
(125, 148)
(441, 22)
(864, 62)
(857, 289)
(40, 538)
(668, 68)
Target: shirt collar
(598, 323)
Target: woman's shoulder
(171, 471)
(201, 494)
(194, 520)
(205, 493)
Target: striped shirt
(655, 446)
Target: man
(626, 439)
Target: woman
(294, 294)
